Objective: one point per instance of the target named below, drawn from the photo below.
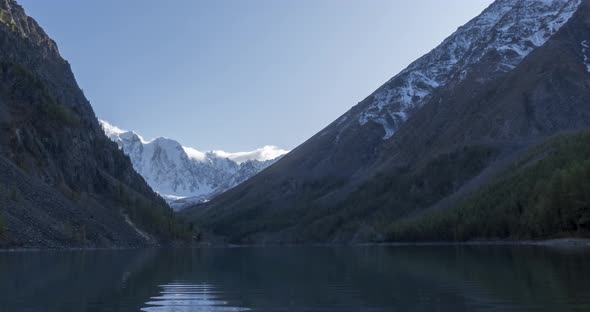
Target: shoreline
(554, 243)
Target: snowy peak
(109, 129)
(177, 172)
(117, 134)
(268, 152)
(193, 154)
(265, 153)
(506, 32)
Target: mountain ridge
(184, 175)
(63, 183)
(350, 180)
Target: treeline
(7, 193)
(24, 85)
(534, 199)
(49, 117)
(2, 229)
(152, 217)
(392, 195)
(363, 215)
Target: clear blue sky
(237, 74)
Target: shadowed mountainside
(63, 183)
(502, 93)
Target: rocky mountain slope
(546, 193)
(63, 183)
(184, 175)
(429, 137)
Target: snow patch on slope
(510, 28)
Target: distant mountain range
(413, 159)
(184, 175)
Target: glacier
(183, 175)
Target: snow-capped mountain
(512, 76)
(185, 175)
(505, 33)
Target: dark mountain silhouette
(62, 181)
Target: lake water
(441, 278)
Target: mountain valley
(483, 138)
(429, 138)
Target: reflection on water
(343, 279)
(185, 297)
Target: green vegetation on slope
(395, 194)
(7, 19)
(547, 194)
(155, 219)
(388, 196)
(27, 86)
(2, 230)
(48, 117)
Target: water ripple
(184, 297)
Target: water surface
(434, 278)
